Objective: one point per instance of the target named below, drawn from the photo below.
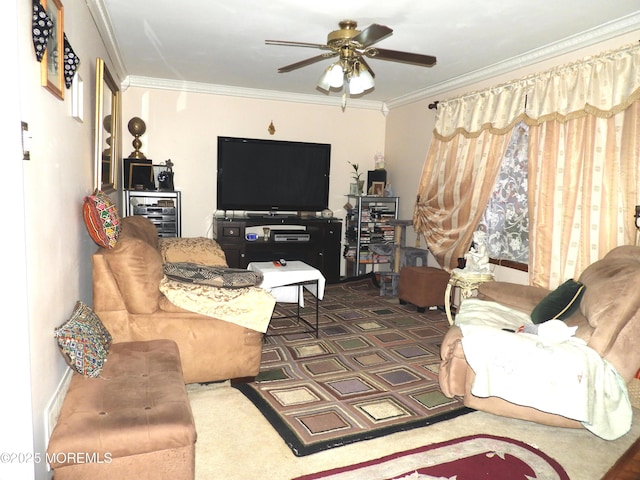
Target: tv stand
(320, 247)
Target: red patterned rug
(466, 458)
(373, 371)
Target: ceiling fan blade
(297, 44)
(372, 34)
(404, 57)
(306, 62)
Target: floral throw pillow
(84, 341)
(101, 219)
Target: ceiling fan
(351, 46)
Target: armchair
(128, 300)
(607, 321)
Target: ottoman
(422, 286)
(134, 421)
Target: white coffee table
(287, 285)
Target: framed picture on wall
(52, 64)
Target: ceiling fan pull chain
(344, 98)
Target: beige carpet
(236, 442)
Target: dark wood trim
(523, 267)
(628, 465)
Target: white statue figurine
(477, 257)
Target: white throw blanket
(568, 378)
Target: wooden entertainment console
(315, 241)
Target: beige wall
(409, 130)
(184, 126)
(57, 247)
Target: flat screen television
(272, 175)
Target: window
(506, 218)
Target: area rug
(467, 458)
(372, 371)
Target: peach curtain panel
(456, 182)
(583, 163)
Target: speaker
(376, 176)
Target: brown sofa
(608, 319)
(128, 300)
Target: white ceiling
(221, 43)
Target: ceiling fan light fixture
(332, 77)
(360, 81)
(351, 73)
(355, 86)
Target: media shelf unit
(315, 241)
(162, 208)
(366, 224)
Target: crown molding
(585, 39)
(105, 28)
(212, 89)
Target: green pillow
(560, 303)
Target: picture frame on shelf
(52, 64)
(127, 169)
(141, 176)
(377, 189)
(353, 189)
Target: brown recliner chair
(608, 320)
(128, 300)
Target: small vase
(360, 187)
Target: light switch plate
(26, 141)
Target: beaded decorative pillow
(84, 341)
(101, 219)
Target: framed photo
(353, 189)
(138, 174)
(52, 64)
(141, 176)
(377, 188)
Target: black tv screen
(272, 175)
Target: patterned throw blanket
(222, 277)
(202, 282)
(249, 307)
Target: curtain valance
(600, 85)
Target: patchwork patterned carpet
(372, 371)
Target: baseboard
(52, 412)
